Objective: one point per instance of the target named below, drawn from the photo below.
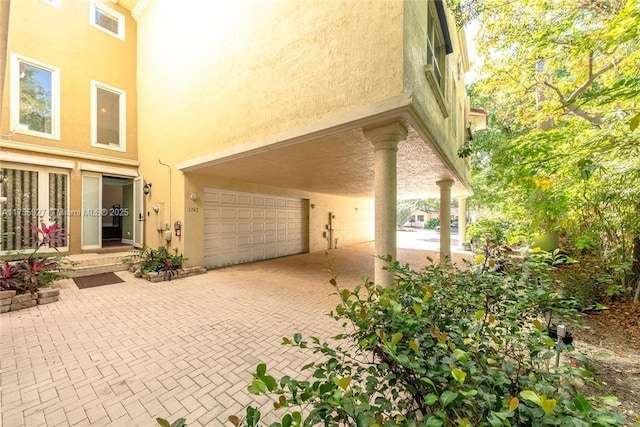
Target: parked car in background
(454, 226)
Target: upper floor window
(54, 3)
(106, 19)
(35, 98)
(108, 117)
(435, 48)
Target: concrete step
(96, 263)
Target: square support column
(445, 219)
(385, 142)
(462, 220)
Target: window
(454, 111)
(33, 196)
(54, 3)
(435, 48)
(420, 218)
(108, 117)
(35, 98)
(106, 19)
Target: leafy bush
(158, 260)
(36, 271)
(438, 348)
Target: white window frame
(43, 200)
(438, 86)
(14, 108)
(54, 3)
(122, 146)
(93, 6)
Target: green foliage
(180, 422)
(438, 348)
(563, 150)
(406, 207)
(158, 260)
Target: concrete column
(462, 220)
(445, 219)
(385, 143)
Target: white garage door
(243, 227)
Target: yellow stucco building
(241, 130)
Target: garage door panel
(243, 227)
(228, 198)
(228, 227)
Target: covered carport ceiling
(339, 161)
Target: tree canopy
(561, 80)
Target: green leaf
(430, 399)
(447, 397)
(582, 404)
(297, 418)
(634, 122)
(165, 423)
(538, 325)
(344, 382)
(396, 338)
(297, 337)
(261, 370)
(180, 422)
(286, 420)
(270, 382)
(459, 375)
(479, 314)
(531, 396)
(434, 421)
(414, 345)
(259, 386)
(417, 309)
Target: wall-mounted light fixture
(313, 205)
(194, 197)
(146, 188)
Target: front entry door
(91, 211)
(138, 212)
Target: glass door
(91, 211)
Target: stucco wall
(63, 38)
(212, 75)
(415, 81)
(216, 74)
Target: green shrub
(438, 348)
(157, 260)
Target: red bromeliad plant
(34, 272)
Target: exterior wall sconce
(194, 197)
(146, 189)
(312, 205)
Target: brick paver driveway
(127, 353)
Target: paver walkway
(127, 353)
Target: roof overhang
(332, 156)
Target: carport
(383, 151)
